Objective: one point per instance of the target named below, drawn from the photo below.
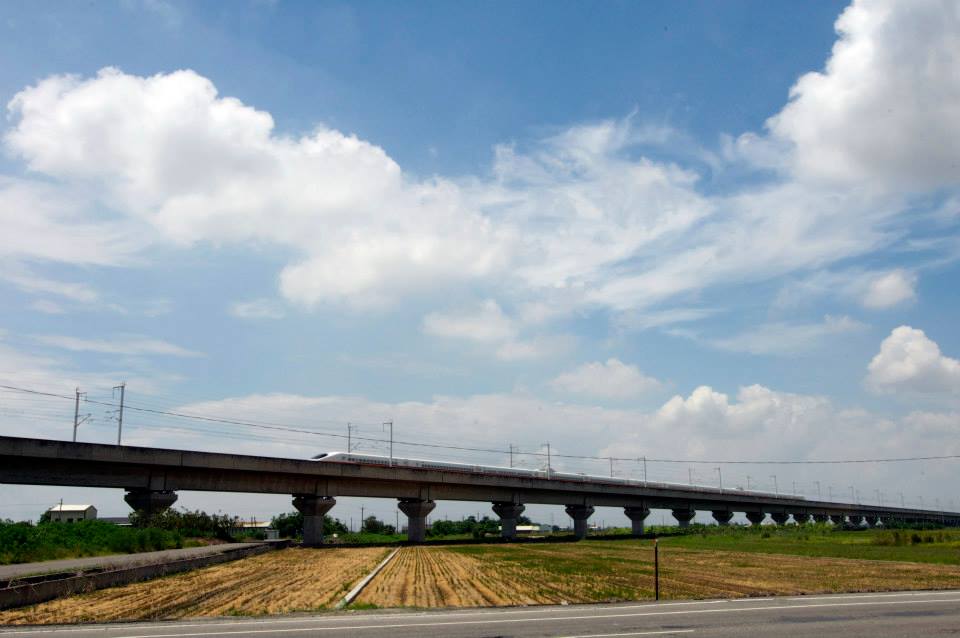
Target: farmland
(601, 571)
(276, 582)
(922, 546)
(722, 564)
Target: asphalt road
(113, 561)
(853, 615)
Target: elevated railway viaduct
(153, 476)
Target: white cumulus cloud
(584, 219)
(211, 168)
(890, 289)
(910, 362)
(612, 379)
(884, 109)
(487, 324)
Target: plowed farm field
(277, 582)
(482, 575)
(478, 576)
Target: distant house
(247, 528)
(72, 513)
(121, 521)
(523, 530)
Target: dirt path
(278, 582)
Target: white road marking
(635, 633)
(600, 612)
(545, 609)
(559, 618)
(899, 594)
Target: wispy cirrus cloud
(122, 344)
(786, 338)
(257, 309)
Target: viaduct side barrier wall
(31, 593)
(47, 462)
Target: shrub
(25, 542)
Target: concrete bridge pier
(871, 520)
(820, 518)
(722, 517)
(855, 519)
(801, 518)
(637, 516)
(313, 508)
(148, 503)
(580, 514)
(780, 518)
(416, 510)
(684, 516)
(836, 519)
(755, 518)
(508, 513)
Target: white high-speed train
(384, 461)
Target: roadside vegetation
(26, 542)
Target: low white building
(255, 527)
(72, 513)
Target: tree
(195, 523)
(373, 525)
(290, 525)
(333, 526)
(470, 526)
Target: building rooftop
(69, 508)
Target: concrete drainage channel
(30, 590)
(353, 593)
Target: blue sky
(684, 230)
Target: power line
(302, 430)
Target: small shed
(253, 527)
(71, 513)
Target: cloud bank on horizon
(571, 245)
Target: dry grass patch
(276, 582)
(474, 576)
(432, 577)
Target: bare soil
(479, 576)
(594, 572)
(273, 583)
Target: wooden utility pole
(122, 387)
(656, 570)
